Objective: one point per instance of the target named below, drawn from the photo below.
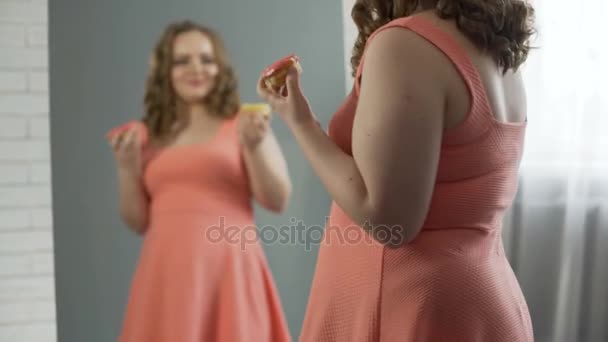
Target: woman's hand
(290, 103)
(127, 151)
(252, 129)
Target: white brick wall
(27, 301)
(12, 81)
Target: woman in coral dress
(421, 161)
(188, 174)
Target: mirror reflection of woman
(195, 179)
(423, 157)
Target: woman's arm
(389, 180)
(133, 202)
(265, 163)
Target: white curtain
(557, 231)
(556, 234)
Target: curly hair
(160, 99)
(502, 28)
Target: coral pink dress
(202, 276)
(453, 283)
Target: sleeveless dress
(202, 275)
(453, 282)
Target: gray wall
(98, 55)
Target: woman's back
(505, 91)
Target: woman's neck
(194, 113)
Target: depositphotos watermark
(298, 233)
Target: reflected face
(194, 69)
